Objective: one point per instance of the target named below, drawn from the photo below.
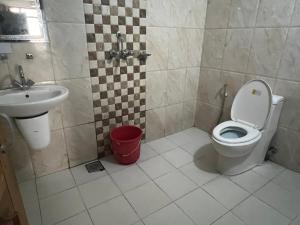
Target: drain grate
(95, 166)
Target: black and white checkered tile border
(119, 88)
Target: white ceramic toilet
(242, 142)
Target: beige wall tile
(157, 45)
(296, 15)
(188, 113)
(53, 158)
(191, 83)
(55, 118)
(56, 11)
(155, 124)
(274, 13)
(78, 108)
(5, 78)
(291, 108)
(210, 86)
(267, 47)
(213, 48)
(206, 116)
(178, 48)
(289, 66)
(81, 143)
(158, 13)
(287, 142)
(70, 59)
(237, 49)
(175, 86)
(194, 46)
(243, 13)
(39, 68)
(156, 89)
(173, 118)
(218, 13)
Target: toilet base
(234, 166)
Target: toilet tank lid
(276, 99)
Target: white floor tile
(179, 139)
(81, 175)
(229, 219)
(201, 207)
(296, 221)
(286, 202)
(162, 145)
(80, 219)
(194, 148)
(289, 180)
(31, 202)
(139, 223)
(61, 206)
(146, 153)
(156, 166)
(250, 181)
(170, 215)
(114, 212)
(197, 175)
(147, 198)
(54, 183)
(111, 165)
(268, 169)
(178, 157)
(254, 212)
(198, 139)
(226, 192)
(175, 184)
(98, 191)
(130, 178)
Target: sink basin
(37, 100)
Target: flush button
(256, 92)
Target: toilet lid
(252, 104)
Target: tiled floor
(173, 183)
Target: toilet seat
(248, 133)
(249, 113)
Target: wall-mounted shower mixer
(123, 54)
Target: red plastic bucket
(126, 143)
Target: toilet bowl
(242, 142)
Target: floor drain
(95, 166)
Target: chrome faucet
(121, 53)
(24, 83)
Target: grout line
(153, 180)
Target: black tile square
(121, 20)
(128, 11)
(106, 19)
(136, 21)
(142, 13)
(91, 38)
(97, 9)
(121, 3)
(105, 2)
(89, 18)
(98, 28)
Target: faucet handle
(30, 82)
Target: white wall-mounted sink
(29, 109)
(35, 101)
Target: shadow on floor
(206, 158)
